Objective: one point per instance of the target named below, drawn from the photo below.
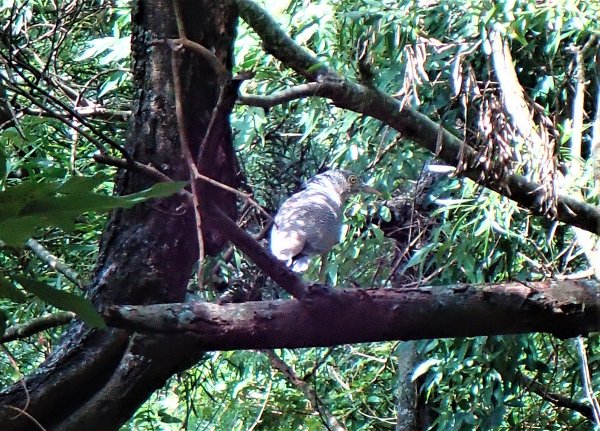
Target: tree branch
(558, 400)
(412, 124)
(331, 422)
(36, 325)
(281, 274)
(326, 317)
(54, 262)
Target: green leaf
(31, 205)
(315, 67)
(166, 418)
(423, 367)
(81, 184)
(419, 256)
(158, 190)
(2, 165)
(15, 231)
(7, 290)
(64, 300)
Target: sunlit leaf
(64, 300)
(423, 367)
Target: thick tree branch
(328, 317)
(413, 125)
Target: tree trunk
(95, 380)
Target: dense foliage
(66, 93)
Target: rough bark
(406, 389)
(95, 380)
(327, 317)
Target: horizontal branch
(326, 317)
(412, 124)
(284, 96)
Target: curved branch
(281, 274)
(412, 124)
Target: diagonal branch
(281, 274)
(412, 124)
(554, 398)
(331, 422)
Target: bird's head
(343, 182)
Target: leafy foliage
(433, 56)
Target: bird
(309, 223)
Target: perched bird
(309, 223)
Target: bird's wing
(286, 242)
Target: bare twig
(205, 53)
(187, 154)
(50, 97)
(331, 422)
(577, 111)
(23, 412)
(587, 380)
(140, 167)
(15, 365)
(292, 93)
(264, 405)
(156, 174)
(53, 261)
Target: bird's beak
(368, 189)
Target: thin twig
(328, 418)
(23, 412)
(15, 365)
(156, 174)
(187, 154)
(264, 406)
(293, 93)
(53, 261)
(587, 380)
(205, 53)
(140, 167)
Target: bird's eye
(352, 179)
